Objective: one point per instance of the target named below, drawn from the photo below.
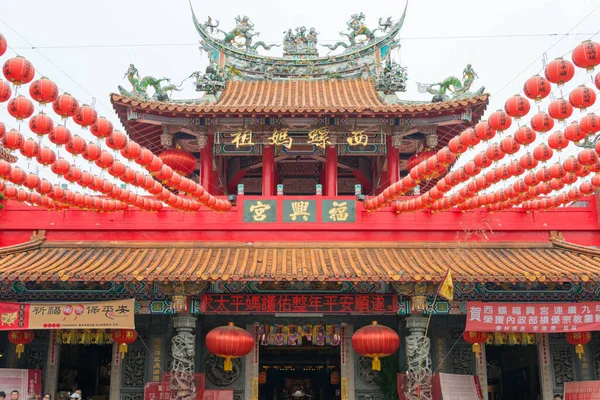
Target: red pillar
(392, 162)
(206, 163)
(268, 171)
(331, 171)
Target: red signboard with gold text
(299, 303)
(117, 314)
(533, 317)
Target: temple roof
(300, 96)
(5, 155)
(39, 260)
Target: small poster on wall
(460, 387)
(28, 382)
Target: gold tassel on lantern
(21, 348)
(227, 364)
(579, 350)
(123, 349)
(476, 348)
(376, 364)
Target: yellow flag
(446, 289)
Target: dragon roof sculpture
(366, 50)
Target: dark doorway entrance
(300, 373)
(86, 368)
(513, 372)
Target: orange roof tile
(299, 96)
(124, 261)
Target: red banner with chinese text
(533, 317)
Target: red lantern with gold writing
(476, 339)
(124, 337)
(579, 339)
(21, 338)
(375, 341)
(229, 342)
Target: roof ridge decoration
(35, 243)
(235, 51)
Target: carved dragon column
(418, 358)
(183, 344)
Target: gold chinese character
(258, 210)
(339, 211)
(357, 138)
(300, 209)
(242, 138)
(280, 138)
(319, 137)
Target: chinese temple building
(288, 150)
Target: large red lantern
(106, 160)
(537, 88)
(76, 145)
(30, 148)
(579, 339)
(375, 341)
(18, 71)
(560, 109)
(527, 161)
(587, 157)
(586, 55)
(560, 71)
(12, 140)
(60, 136)
(21, 338)
(91, 153)
(509, 145)
(41, 124)
(65, 105)
(20, 107)
(124, 337)
(184, 163)
(574, 133)
(43, 91)
(525, 135)
(469, 137)
(517, 106)
(558, 141)
(5, 91)
(542, 152)
(582, 97)
(3, 45)
(85, 116)
(542, 122)
(102, 128)
(476, 339)
(60, 167)
(499, 121)
(590, 124)
(117, 140)
(484, 131)
(229, 342)
(131, 150)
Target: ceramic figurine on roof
(301, 43)
(357, 29)
(391, 79)
(140, 86)
(240, 37)
(459, 90)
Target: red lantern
(117, 169)
(525, 135)
(18, 71)
(5, 168)
(20, 107)
(31, 181)
(106, 160)
(574, 133)
(560, 109)
(44, 187)
(537, 88)
(117, 140)
(558, 141)
(476, 339)
(76, 145)
(481, 160)
(527, 161)
(60, 136)
(587, 157)
(590, 124)
(579, 339)
(2, 130)
(542, 122)
(43, 91)
(3, 45)
(184, 163)
(102, 128)
(542, 152)
(12, 140)
(571, 164)
(262, 377)
(21, 338)
(484, 131)
(444, 156)
(145, 157)
(60, 167)
(229, 342)
(517, 106)
(65, 105)
(499, 121)
(560, 71)
(375, 341)
(582, 97)
(30, 148)
(597, 81)
(17, 176)
(124, 337)
(91, 152)
(5, 91)
(494, 152)
(335, 378)
(469, 138)
(41, 124)
(131, 150)
(586, 55)
(74, 174)
(85, 116)
(509, 145)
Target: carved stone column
(115, 374)
(418, 358)
(481, 371)
(52, 361)
(183, 344)
(545, 362)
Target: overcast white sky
(92, 43)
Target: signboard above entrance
(299, 303)
(533, 317)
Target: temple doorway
(513, 372)
(299, 362)
(85, 368)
